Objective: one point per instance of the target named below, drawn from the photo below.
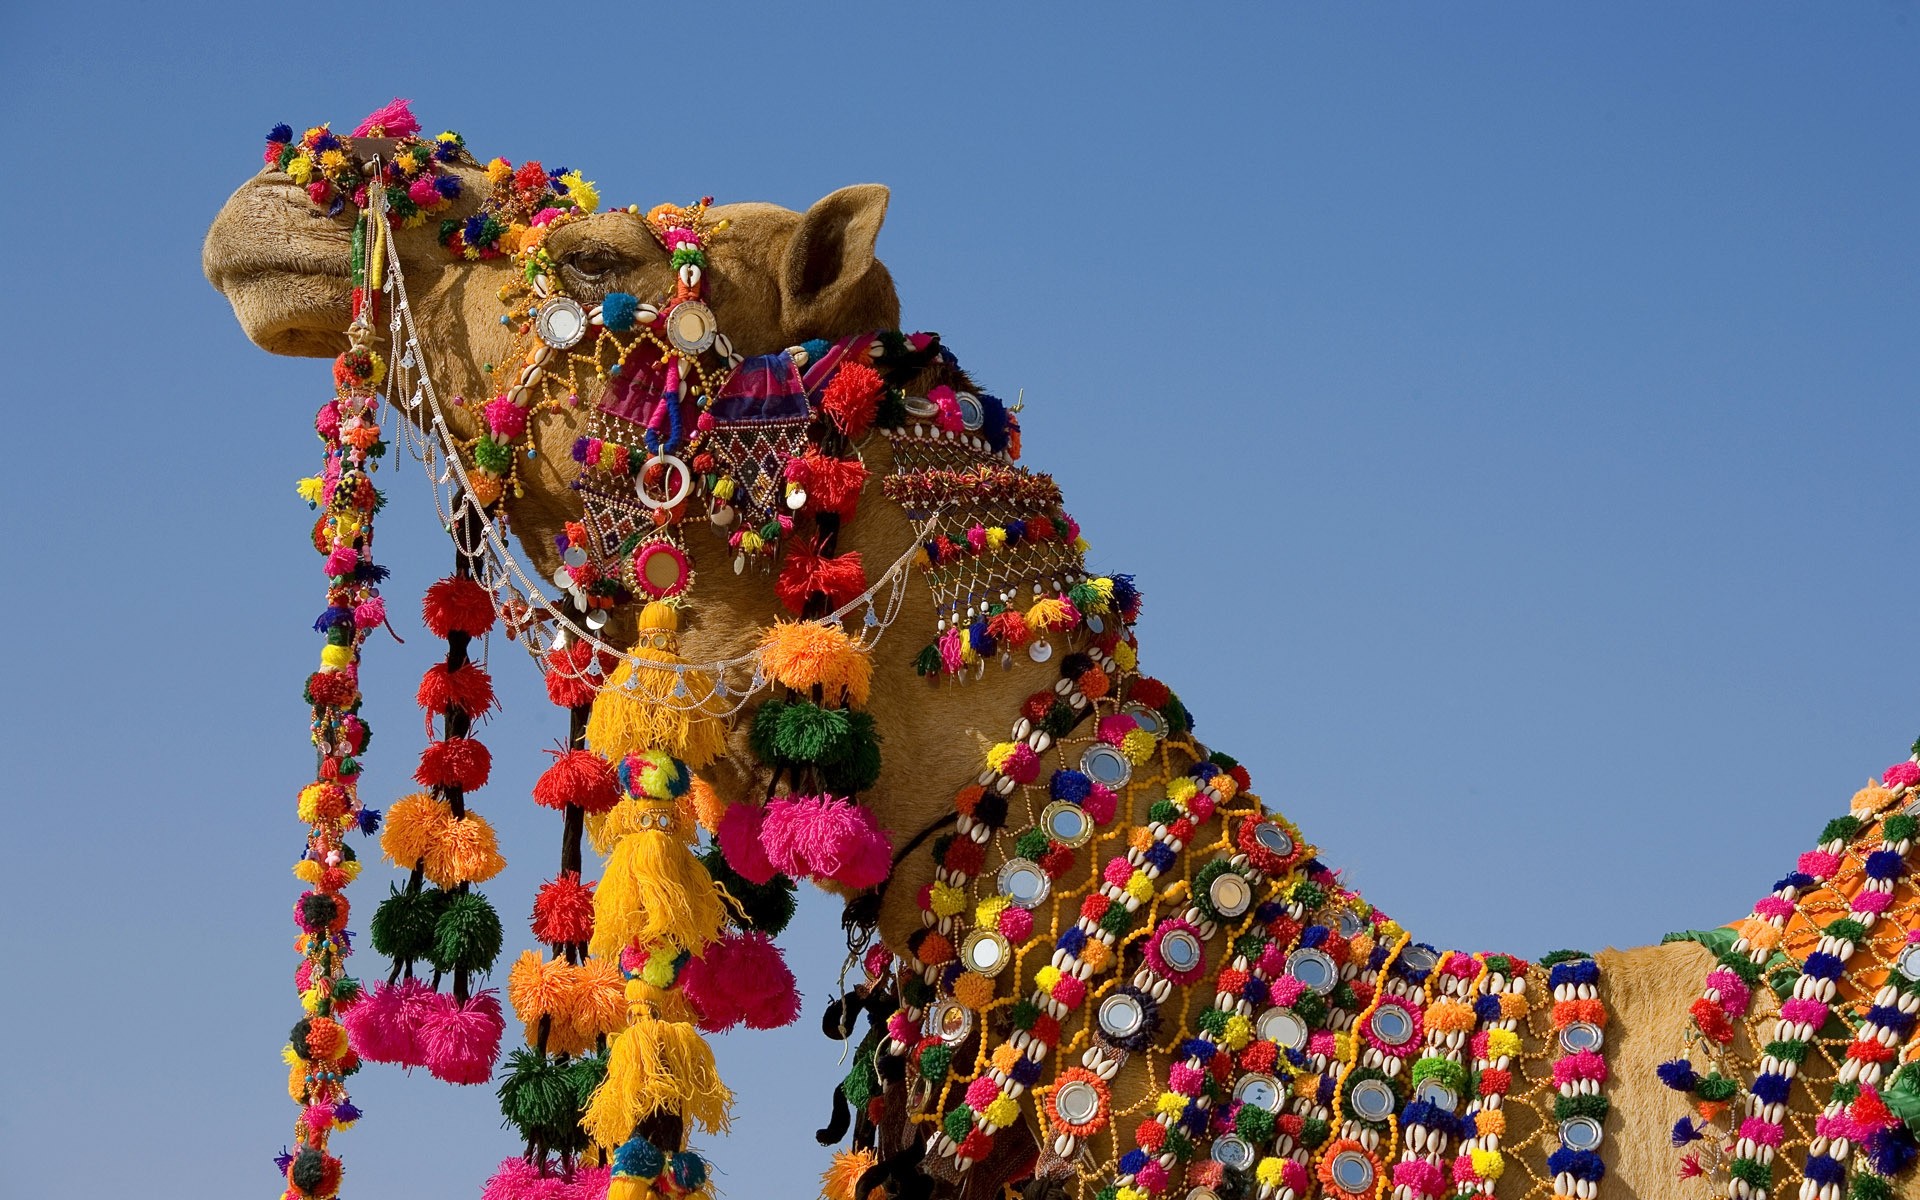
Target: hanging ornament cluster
(437, 919)
(320, 1055)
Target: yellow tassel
(639, 710)
(629, 1187)
(657, 1065)
(654, 890)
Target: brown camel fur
(778, 278)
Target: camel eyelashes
(592, 264)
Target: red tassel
(456, 762)
(457, 605)
(832, 484)
(805, 572)
(852, 398)
(468, 688)
(572, 680)
(580, 778)
(563, 911)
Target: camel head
(775, 278)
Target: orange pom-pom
(463, 850)
(806, 654)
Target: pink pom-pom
(1100, 803)
(1820, 864)
(1116, 726)
(1201, 806)
(393, 119)
(303, 975)
(1152, 1177)
(900, 1028)
(1016, 923)
(949, 417)
(1069, 990)
(1902, 774)
(589, 1183)
(825, 837)
(739, 836)
(507, 419)
(1286, 989)
(1294, 1174)
(982, 1092)
(1023, 765)
(1773, 908)
(422, 192)
(326, 422)
(383, 1027)
(1804, 1010)
(370, 613)
(1764, 1132)
(1118, 871)
(1872, 902)
(318, 1118)
(878, 962)
(461, 1043)
(342, 560)
(1185, 1079)
(741, 977)
(518, 1179)
(1418, 1176)
(1321, 1042)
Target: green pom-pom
(1559, 956)
(1311, 1007)
(860, 1083)
(1840, 829)
(957, 1123)
(1308, 894)
(1846, 929)
(1023, 1014)
(1313, 1132)
(859, 767)
(1345, 997)
(916, 992)
(1060, 719)
(1163, 811)
(1179, 1145)
(537, 1096)
(1900, 827)
(492, 456)
(810, 734)
(1212, 1021)
(1445, 1071)
(1253, 1123)
(345, 991)
(584, 1075)
(1752, 1172)
(1249, 945)
(1788, 1050)
(1741, 965)
(934, 1061)
(1116, 920)
(767, 907)
(764, 737)
(1716, 1087)
(402, 926)
(1844, 1093)
(467, 935)
(309, 1168)
(1869, 1187)
(1031, 844)
(1178, 719)
(1565, 1108)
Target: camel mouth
(284, 265)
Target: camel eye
(592, 264)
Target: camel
(777, 279)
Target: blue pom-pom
(689, 1171)
(1891, 1150)
(1268, 912)
(1125, 595)
(993, 422)
(284, 1159)
(1314, 935)
(448, 186)
(1073, 941)
(1016, 530)
(1822, 1169)
(618, 311)
(1256, 990)
(1578, 971)
(1883, 864)
(1071, 786)
(332, 617)
(1199, 1048)
(816, 348)
(638, 1157)
(1132, 1161)
(1026, 1072)
(1160, 855)
(346, 1111)
(474, 230)
(1581, 1164)
(1678, 1074)
(1823, 966)
(933, 552)
(1487, 1008)
(1794, 879)
(326, 141)
(369, 821)
(1194, 1119)
(1684, 1131)
(281, 134)
(368, 572)
(1772, 1087)
(983, 642)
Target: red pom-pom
(333, 689)
(832, 484)
(563, 911)
(457, 604)
(456, 762)
(572, 678)
(805, 572)
(852, 398)
(467, 687)
(579, 778)
(1149, 691)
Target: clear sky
(1506, 411)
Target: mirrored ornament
(1909, 962)
(1260, 1090)
(561, 323)
(691, 327)
(1232, 1152)
(1272, 837)
(1105, 765)
(949, 1020)
(1121, 1015)
(1438, 1094)
(1391, 1024)
(1180, 950)
(1022, 881)
(972, 415)
(1315, 968)
(1230, 894)
(574, 556)
(986, 952)
(1283, 1027)
(1419, 958)
(1077, 1101)
(1146, 719)
(1581, 1035)
(1372, 1100)
(1350, 922)
(1580, 1133)
(1352, 1171)
(1066, 823)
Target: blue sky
(1506, 409)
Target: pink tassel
(823, 837)
(589, 1183)
(461, 1043)
(740, 843)
(370, 613)
(382, 1025)
(393, 119)
(742, 978)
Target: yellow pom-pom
(1140, 887)
(1270, 1172)
(1138, 746)
(1502, 1043)
(336, 657)
(1306, 1085)
(1238, 1032)
(311, 489)
(947, 900)
(1343, 1046)
(987, 912)
(1513, 1005)
(307, 871)
(1002, 751)
(499, 171)
(300, 169)
(1488, 1164)
(655, 703)
(1871, 799)
(1170, 1104)
(1046, 977)
(1182, 790)
(1003, 1112)
(1126, 657)
(584, 195)
(996, 537)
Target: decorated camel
(798, 599)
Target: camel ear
(830, 255)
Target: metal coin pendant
(1040, 651)
(561, 323)
(691, 327)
